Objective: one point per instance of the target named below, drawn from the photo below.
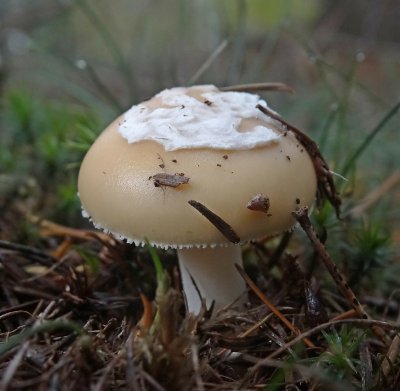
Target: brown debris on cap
(259, 203)
(169, 180)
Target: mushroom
(201, 171)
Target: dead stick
(217, 221)
(301, 216)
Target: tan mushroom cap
(117, 190)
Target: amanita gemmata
(201, 171)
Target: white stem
(215, 275)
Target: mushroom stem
(215, 275)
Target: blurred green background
(67, 68)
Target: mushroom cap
(119, 193)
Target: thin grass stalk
(352, 160)
(111, 45)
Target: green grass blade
(209, 61)
(46, 326)
(157, 263)
(357, 153)
(329, 121)
(104, 90)
(110, 43)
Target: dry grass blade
(275, 310)
(323, 326)
(46, 271)
(366, 366)
(346, 315)
(15, 313)
(209, 61)
(254, 327)
(27, 250)
(373, 197)
(254, 87)
(131, 372)
(13, 366)
(148, 313)
(102, 382)
(196, 367)
(48, 228)
(391, 355)
(18, 357)
(62, 249)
